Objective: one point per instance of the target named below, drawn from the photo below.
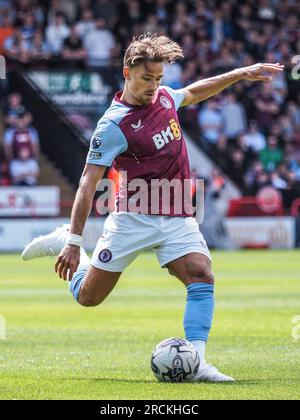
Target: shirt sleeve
(177, 96)
(107, 143)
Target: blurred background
(63, 65)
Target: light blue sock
(78, 277)
(77, 280)
(199, 311)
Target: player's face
(144, 80)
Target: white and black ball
(175, 360)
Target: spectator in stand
(225, 60)
(265, 10)
(188, 74)
(293, 184)
(29, 27)
(210, 121)
(56, 34)
(86, 23)
(222, 151)
(107, 10)
(27, 43)
(266, 106)
(172, 76)
(276, 130)
(39, 50)
(219, 29)
(287, 128)
(21, 137)
(67, 8)
(25, 7)
(217, 182)
(17, 48)
(252, 175)
(24, 170)
(151, 25)
(249, 155)
(15, 109)
(278, 181)
(294, 165)
(180, 13)
(254, 140)
(290, 153)
(279, 84)
(162, 11)
(131, 14)
(74, 52)
(81, 6)
(272, 156)
(294, 113)
(189, 47)
(194, 177)
(234, 116)
(215, 210)
(54, 8)
(284, 53)
(263, 180)
(238, 166)
(292, 190)
(99, 44)
(6, 30)
(5, 5)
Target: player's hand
(261, 72)
(68, 262)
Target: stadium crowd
(20, 151)
(252, 130)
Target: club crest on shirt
(105, 255)
(164, 101)
(96, 141)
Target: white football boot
(47, 245)
(209, 373)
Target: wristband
(75, 240)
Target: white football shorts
(126, 235)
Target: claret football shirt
(145, 145)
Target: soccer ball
(175, 360)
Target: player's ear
(126, 73)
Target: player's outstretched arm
(91, 175)
(69, 257)
(206, 88)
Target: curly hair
(152, 47)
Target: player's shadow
(256, 382)
(117, 380)
(153, 381)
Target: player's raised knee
(207, 277)
(201, 272)
(203, 276)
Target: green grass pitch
(57, 350)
